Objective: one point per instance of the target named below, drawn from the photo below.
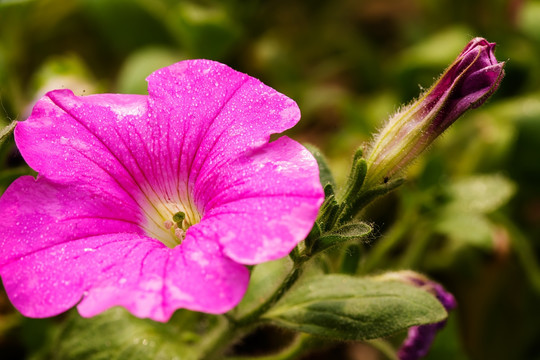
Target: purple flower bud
(466, 84)
(420, 338)
(469, 81)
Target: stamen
(180, 234)
(169, 221)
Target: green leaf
(349, 232)
(348, 308)
(116, 334)
(481, 194)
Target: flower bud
(469, 81)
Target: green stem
(356, 202)
(289, 281)
(231, 330)
(295, 255)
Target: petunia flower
(154, 202)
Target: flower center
(169, 221)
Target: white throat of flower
(169, 221)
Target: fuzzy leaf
(116, 334)
(352, 231)
(348, 308)
(348, 232)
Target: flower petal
(45, 223)
(82, 140)
(38, 214)
(213, 114)
(199, 115)
(86, 249)
(52, 280)
(263, 204)
(153, 281)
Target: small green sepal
(328, 213)
(346, 233)
(328, 191)
(356, 177)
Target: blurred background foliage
(469, 216)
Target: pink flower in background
(155, 202)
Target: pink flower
(154, 202)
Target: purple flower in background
(155, 202)
(420, 338)
(471, 79)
